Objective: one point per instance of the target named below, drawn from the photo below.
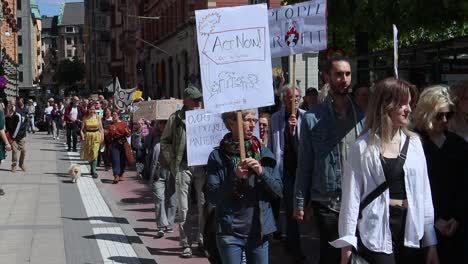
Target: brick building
(9, 50)
(168, 69)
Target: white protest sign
(204, 133)
(299, 28)
(123, 97)
(395, 51)
(235, 57)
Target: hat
(192, 92)
(51, 99)
(30, 101)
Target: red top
(118, 132)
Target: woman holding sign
(242, 190)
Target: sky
(52, 7)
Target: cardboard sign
(235, 58)
(165, 108)
(146, 110)
(299, 28)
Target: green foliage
(418, 21)
(69, 72)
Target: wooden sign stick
(240, 125)
(293, 103)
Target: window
(75, 40)
(19, 22)
(69, 29)
(20, 76)
(20, 41)
(69, 41)
(20, 58)
(69, 53)
(18, 4)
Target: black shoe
(2, 192)
(95, 175)
(74, 150)
(69, 149)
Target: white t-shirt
(74, 113)
(48, 110)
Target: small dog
(75, 172)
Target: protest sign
(138, 94)
(299, 28)
(204, 132)
(146, 110)
(235, 58)
(123, 97)
(165, 108)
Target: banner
(165, 108)
(123, 97)
(204, 132)
(299, 28)
(235, 58)
(146, 110)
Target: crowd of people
(381, 169)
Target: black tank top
(395, 176)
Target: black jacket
(16, 126)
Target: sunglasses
(447, 115)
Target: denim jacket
(319, 169)
(220, 190)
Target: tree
(69, 72)
(418, 21)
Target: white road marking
(112, 241)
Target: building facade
(8, 48)
(49, 50)
(70, 32)
(26, 70)
(36, 41)
(165, 70)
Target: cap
(192, 92)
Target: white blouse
(363, 173)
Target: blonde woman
(459, 124)
(446, 157)
(93, 135)
(399, 219)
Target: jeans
(18, 146)
(49, 122)
(118, 159)
(183, 181)
(327, 222)
(55, 128)
(31, 127)
(231, 249)
(73, 130)
(164, 187)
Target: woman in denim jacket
(242, 190)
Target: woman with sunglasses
(446, 157)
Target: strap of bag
(386, 184)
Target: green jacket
(174, 141)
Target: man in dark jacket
(73, 117)
(16, 127)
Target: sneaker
(74, 150)
(169, 230)
(159, 234)
(186, 253)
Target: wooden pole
(240, 125)
(293, 103)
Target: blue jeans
(118, 159)
(293, 237)
(231, 248)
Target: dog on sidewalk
(75, 172)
